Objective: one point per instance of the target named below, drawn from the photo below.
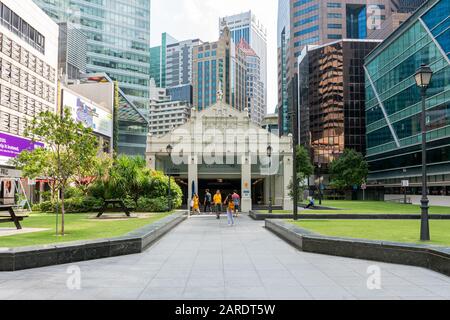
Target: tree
(304, 170)
(68, 145)
(304, 166)
(130, 177)
(89, 170)
(349, 170)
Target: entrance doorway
(226, 186)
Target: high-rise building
(246, 26)
(28, 77)
(118, 33)
(393, 105)
(158, 60)
(219, 70)
(307, 22)
(255, 90)
(284, 63)
(332, 98)
(165, 112)
(72, 51)
(178, 67)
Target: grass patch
(405, 231)
(369, 207)
(78, 227)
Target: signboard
(7, 191)
(363, 186)
(99, 120)
(405, 183)
(11, 146)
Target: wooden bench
(11, 216)
(117, 206)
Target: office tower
(118, 33)
(72, 51)
(332, 98)
(255, 90)
(393, 105)
(158, 60)
(178, 66)
(28, 61)
(219, 70)
(284, 63)
(307, 22)
(246, 26)
(165, 112)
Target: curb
(425, 256)
(137, 241)
(332, 216)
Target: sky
(190, 19)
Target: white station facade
(221, 149)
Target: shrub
(152, 205)
(46, 195)
(36, 207)
(46, 206)
(73, 205)
(73, 192)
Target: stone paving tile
(162, 293)
(204, 259)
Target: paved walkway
(205, 259)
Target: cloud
(188, 19)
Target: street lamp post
(319, 166)
(169, 197)
(423, 78)
(269, 154)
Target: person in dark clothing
(207, 202)
(311, 203)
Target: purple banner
(12, 146)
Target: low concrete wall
(443, 201)
(46, 255)
(431, 257)
(342, 216)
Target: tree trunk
(62, 209)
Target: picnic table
(11, 216)
(117, 206)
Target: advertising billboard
(99, 120)
(11, 146)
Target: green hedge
(73, 205)
(152, 205)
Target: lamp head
(169, 149)
(423, 76)
(269, 151)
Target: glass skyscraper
(393, 103)
(318, 22)
(118, 44)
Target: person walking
(237, 203)
(218, 203)
(230, 209)
(207, 202)
(196, 206)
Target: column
(287, 177)
(151, 162)
(192, 176)
(246, 174)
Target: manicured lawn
(370, 207)
(78, 227)
(389, 230)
